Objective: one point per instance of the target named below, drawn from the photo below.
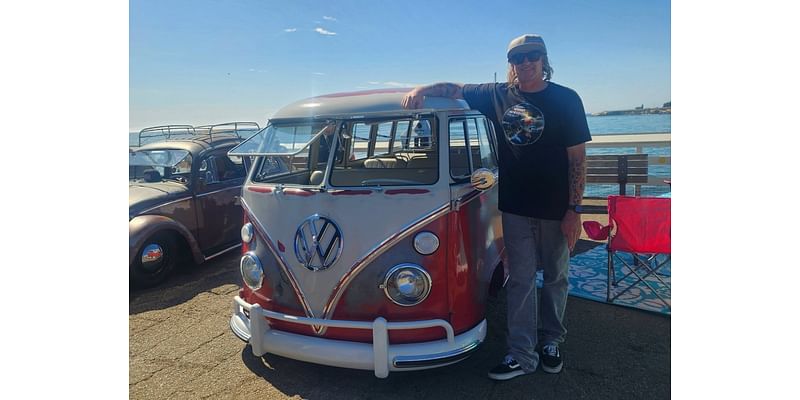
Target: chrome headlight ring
(407, 284)
(252, 271)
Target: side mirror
(482, 179)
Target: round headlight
(407, 284)
(426, 243)
(247, 232)
(252, 272)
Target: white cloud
(329, 18)
(374, 83)
(318, 73)
(324, 32)
(290, 30)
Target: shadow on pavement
(187, 281)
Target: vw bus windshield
(386, 152)
(282, 139)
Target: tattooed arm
(415, 98)
(571, 224)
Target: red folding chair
(641, 227)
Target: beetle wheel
(155, 260)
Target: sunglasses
(519, 58)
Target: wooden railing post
(622, 173)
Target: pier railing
(656, 145)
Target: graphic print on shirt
(523, 124)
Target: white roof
(366, 103)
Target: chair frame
(643, 266)
(650, 264)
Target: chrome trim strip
(220, 190)
(374, 253)
(222, 252)
(282, 264)
(435, 359)
(163, 205)
(466, 198)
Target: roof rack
(232, 128)
(166, 132)
(163, 132)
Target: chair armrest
(596, 231)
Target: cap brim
(525, 48)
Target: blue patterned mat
(588, 278)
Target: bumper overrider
(379, 356)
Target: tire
(162, 249)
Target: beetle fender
(143, 226)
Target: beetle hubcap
(152, 257)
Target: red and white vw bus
(371, 233)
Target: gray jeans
(532, 244)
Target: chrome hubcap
(152, 256)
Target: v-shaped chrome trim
(374, 253)
(283, 265)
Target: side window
(459, 163)
(470, 146)
(400, 137)
(474, 148)
(208, 170)
(227, 169)
(360, 141)
(488, 159)
(421, 135)
(384, 155)
(383, 138)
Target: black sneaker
(551, 358)
(508, 369)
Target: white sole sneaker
(507, 375)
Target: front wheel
(155, 260)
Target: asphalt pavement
(180, 347)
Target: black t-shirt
(533, 132)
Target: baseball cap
(526, 43)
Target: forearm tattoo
(577, 180)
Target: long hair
(547, 71)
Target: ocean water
(631, 124)
(621, 124)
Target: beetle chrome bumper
(379, 356)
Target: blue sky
(204, 61)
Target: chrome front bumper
(379, 356)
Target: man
(541, 132)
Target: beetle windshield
(157, 164)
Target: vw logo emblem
(318, 242)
